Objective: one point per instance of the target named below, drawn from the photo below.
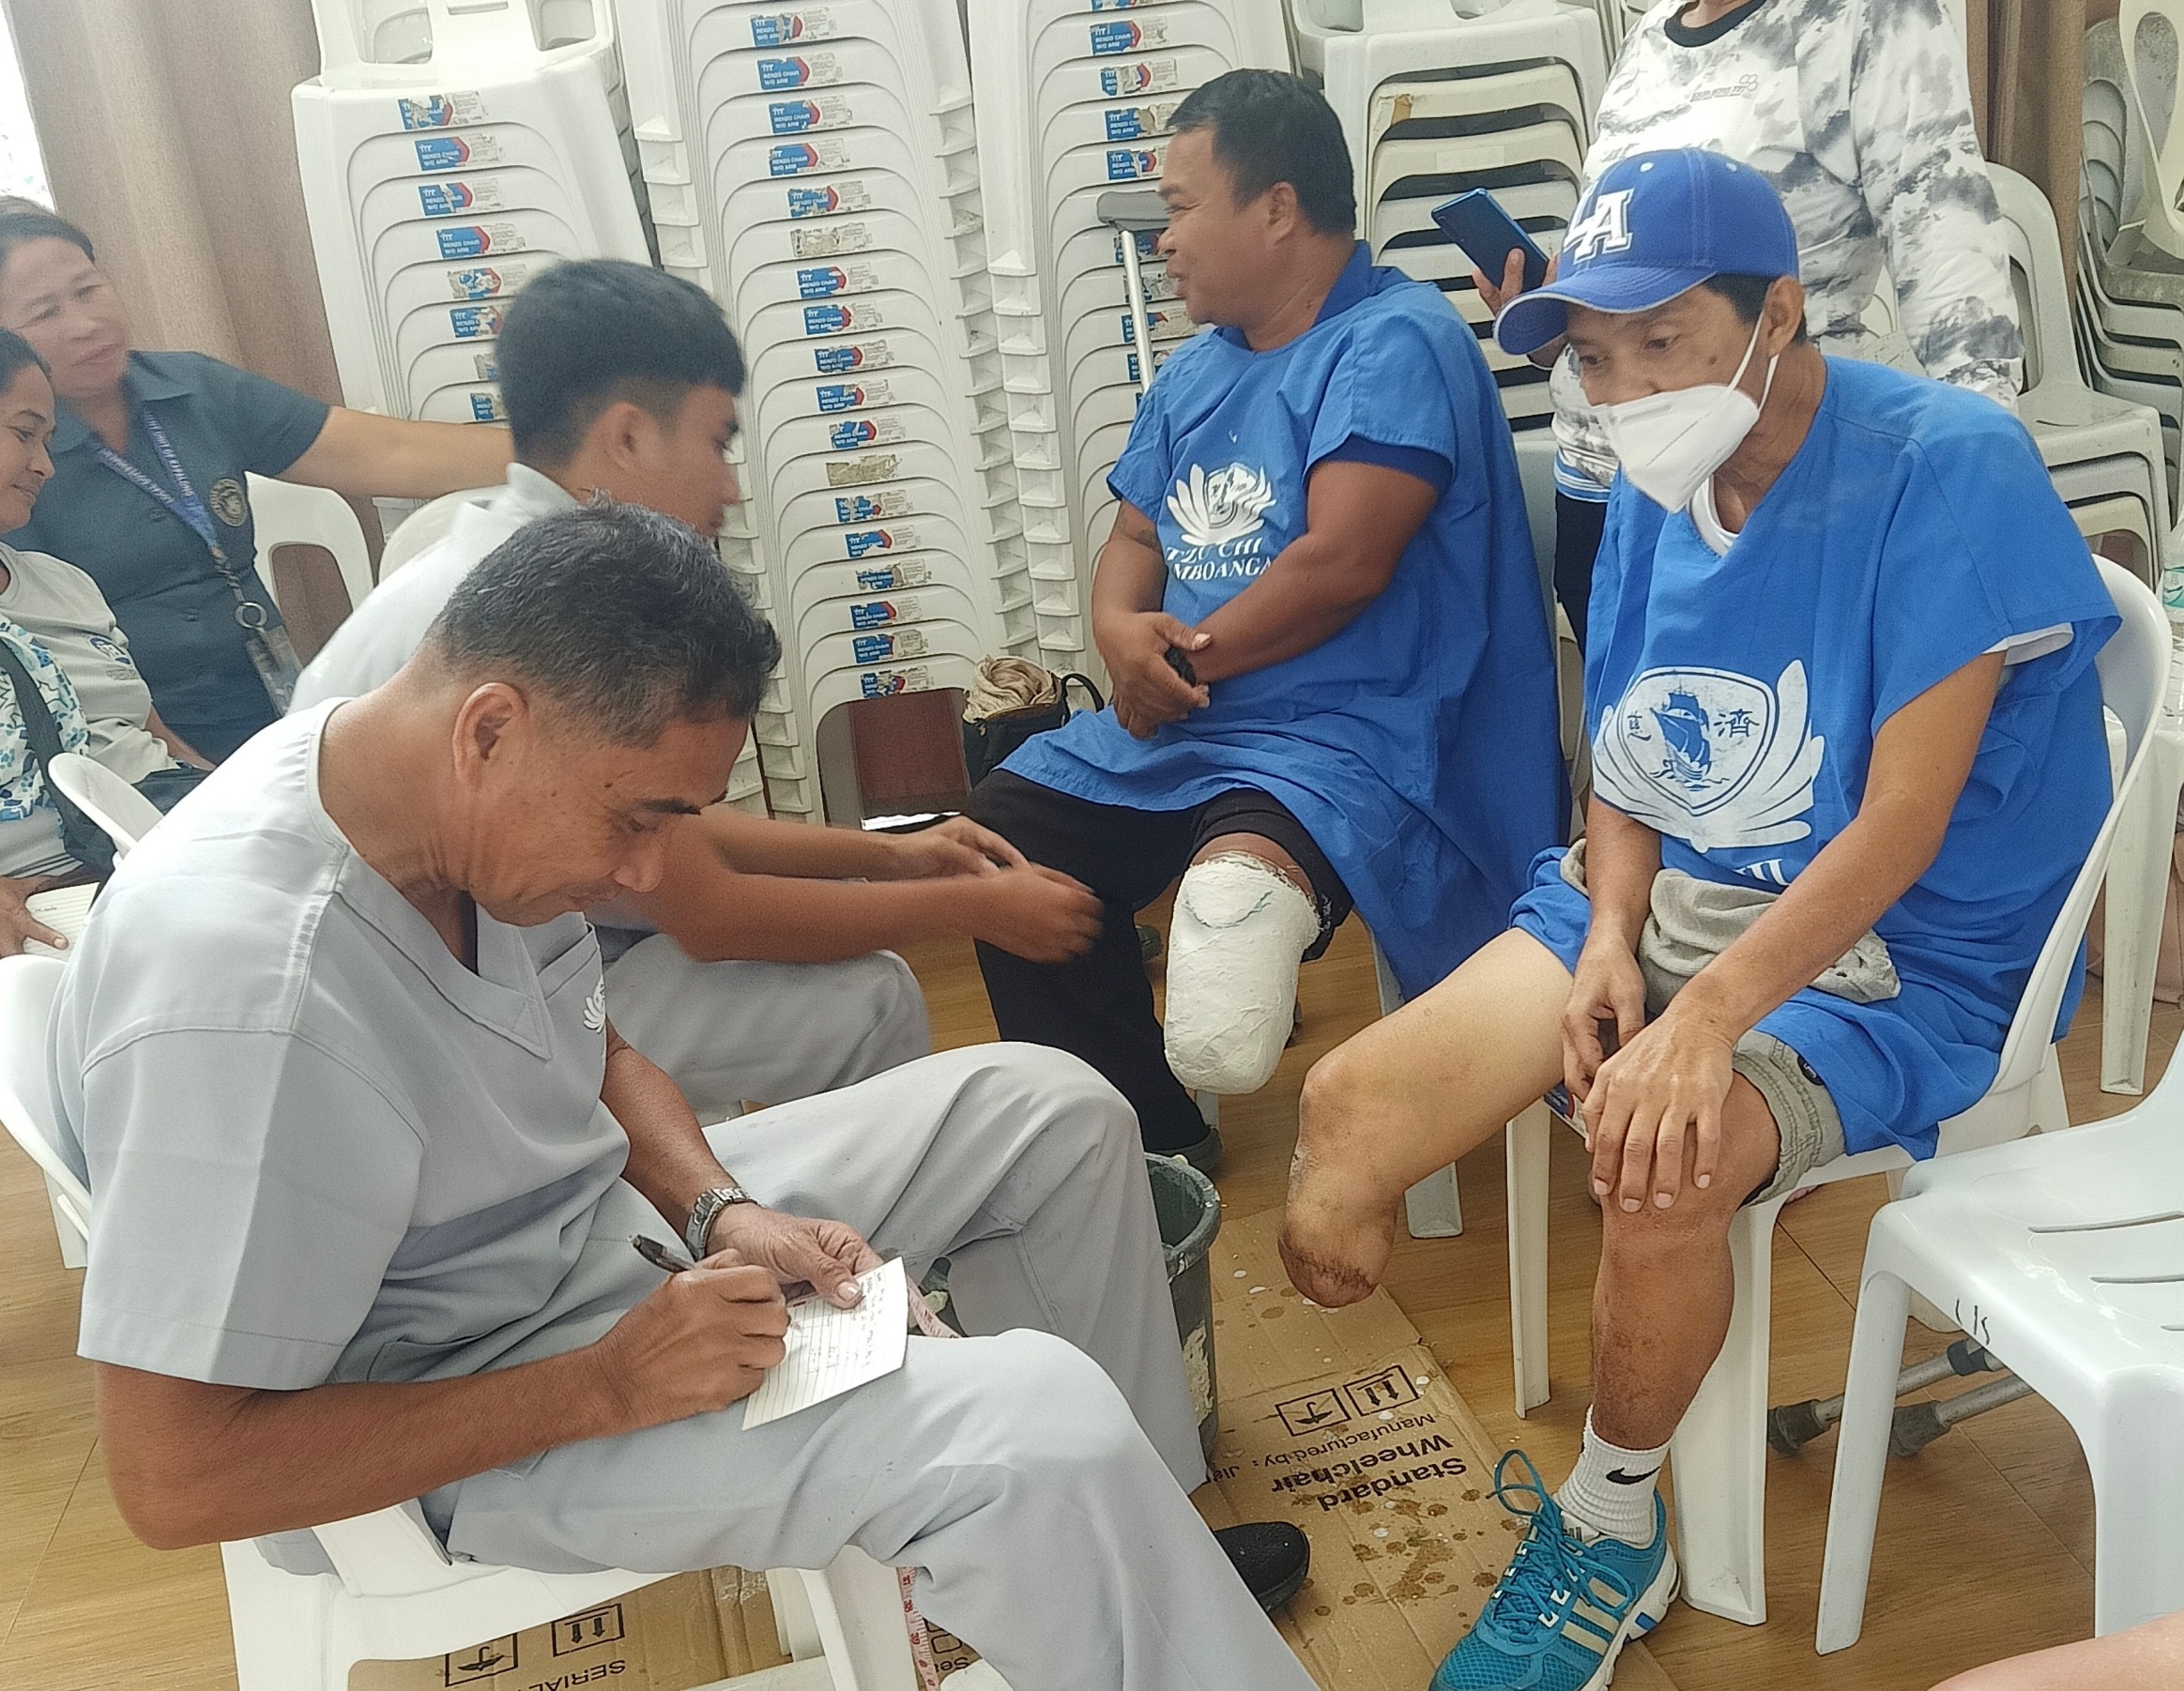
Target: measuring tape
(914, 1624)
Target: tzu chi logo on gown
(1221, 516)
(1714, 758)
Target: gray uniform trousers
(740, 1031)
(1035, 1479)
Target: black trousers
(1099, 1006)
(1579, 524)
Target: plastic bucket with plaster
(1190, 1212)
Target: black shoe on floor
(1203, 1155)
(1273, 1557)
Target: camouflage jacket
(1860, 114)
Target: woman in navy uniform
(148, 496)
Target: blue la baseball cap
(1656, 225)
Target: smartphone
(1488, 234)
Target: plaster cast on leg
(1240, 931)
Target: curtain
(2028, 73)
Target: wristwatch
(710, 1204)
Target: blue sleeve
(1394, 387)
(1141, 475)
(271, 425)
(1429, 467)
(1981, 550)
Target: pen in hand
(658, 1254)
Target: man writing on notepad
(366, 1156)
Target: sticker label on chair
(482, 282)
(841, 319)
(1148, 76)
(862, 472)
(474, 322)
(882, 539)
(441, 111)
(830, 243)
(452, 152)
(1132, 163)
(1138, 123)
(857, 355)
(881, 649)
(474, 240)
(797, 157)
(866, 431)
(785, 29)
(487, 407)
(908, 573)
(886, 683)
(823, 282)
(1129, 37)
(873, 508)
(878, 613)
(825, 202)
(851, 396)
(796, 116)
(452, 199)
(806, 70)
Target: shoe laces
(1550, 1569)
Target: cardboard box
(1341, 1421)
(691, 1630)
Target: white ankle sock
(1611, 1490)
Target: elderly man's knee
(1065, 1092)
(1055, 1410)
(896, 1003)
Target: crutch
(1130, 215)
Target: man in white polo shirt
(366, 1156)
(760, 970)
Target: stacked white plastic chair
(1074, 97)
(1720, 1451)
(816, 171)
(450, 149)
(1434, 104)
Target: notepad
(63, 910)
(833, 1351)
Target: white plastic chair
(2164, 223)
(286, 513)
(2060, 1255)
(124, 813)
(28, 985)
(395, 1595)
(1720, 1451)
(428, 523)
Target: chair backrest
(2164, 223)
(425, 524)
(125, 813)
(2134, 673)
(286, 513)
(2036, 263)
(28, 985)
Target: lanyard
(182, 501)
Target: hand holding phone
(1494, 242)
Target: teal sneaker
(1564, 1609)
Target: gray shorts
(1805, 1115)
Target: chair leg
(1432, 1209)
(1525, 1145)
(1861, 1458)
(856, 1604)
(1720, 1452)
(2138, 1493)
(2138, 885)
(72, 1246)
(286, 1635)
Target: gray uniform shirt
(319, 1146)
(379, 635)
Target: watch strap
(698, 1229)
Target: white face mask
(1670, 444)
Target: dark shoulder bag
(987, 744)
(83, 838)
